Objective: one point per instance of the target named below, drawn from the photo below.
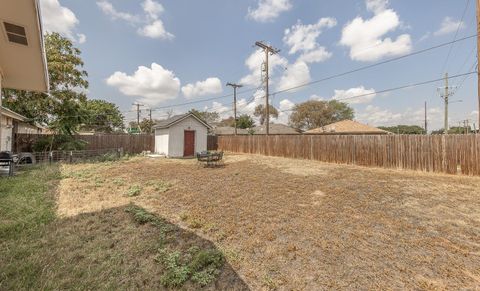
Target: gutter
(42, 44)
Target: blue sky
(167, 52)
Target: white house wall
(6, 132)
(161, 141)
(176, 141)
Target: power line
(376, 64)
(455, 36)
(397, 88)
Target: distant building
(278, 129)
(14, 123)
(227, 130)
(348, 127)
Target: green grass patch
(134, 191)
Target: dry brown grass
(304, 225)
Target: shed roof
(347, 127)
(22, 58)
(176, 119)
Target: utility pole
(1, 139)
(445, 96)
(235, 86)
(150, 116)
(269, 50)
(478, 57)
(426, 120)
(138, 114)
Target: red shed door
(189, 143)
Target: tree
(245, 121)
(314, 114)
(404, 129)
(102, 116)
(146, 126)
(208, 117)
(260, 112)
(61, 109)
(229, 122)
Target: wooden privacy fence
(451, 154)
(131, 144)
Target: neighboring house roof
(275, 129)
(347, 127)
(228, 130)
(9, 113)
(178, 118)
(22, 59)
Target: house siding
(161, 141)
(176, 139)
(7, 134)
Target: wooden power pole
(269, 50)
(138, 114)
(235, 86)
(426, 120)
(445, 96)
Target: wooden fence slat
(450, 154)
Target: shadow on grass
(118, 248)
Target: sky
(165, 53)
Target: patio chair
(6, 160)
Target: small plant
(119, 182)
(141, 216)
(201, 266)
(134, 191)
(176, 274)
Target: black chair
(6, 160)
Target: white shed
(181, 136)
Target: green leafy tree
(404, 129)
(102, 116)
(61, 110)
(260, 112)
(208, 117)
(146, 126)
(314, 114)
(245, 121)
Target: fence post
(50, 157)
(120, 151)
(71, 157)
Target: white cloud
(153, 85)
(365, 38)
(316, 56)
(202, 88)
(285, 110)
(449, 25)
(356, 95)
(81, 38)
(377, 116)
(155, 30)
(152, 9)
(254, 64)
(317, 97)
(269, 10)
(377, 6)
(108, 9)
(148, 25)
(295, 75)
(303, 38)
(57, 18)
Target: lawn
(274, 223)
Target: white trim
(42, 44)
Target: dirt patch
(303, 225)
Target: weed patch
(134, 191)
